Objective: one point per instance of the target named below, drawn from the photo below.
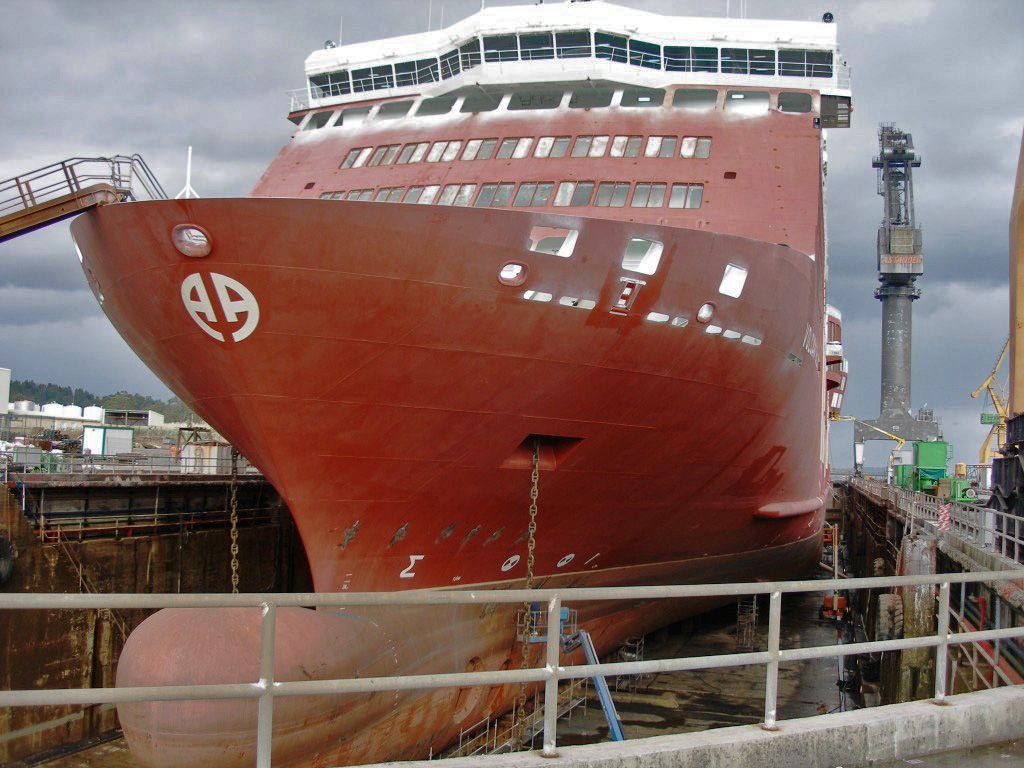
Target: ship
(572, 238)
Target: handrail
(129, 175)
(265, 689)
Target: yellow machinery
(997, 433)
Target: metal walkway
(56, 192)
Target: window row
(519, 147)
(566, 194)
(574, 44)
(542, 97)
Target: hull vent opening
(554, 449)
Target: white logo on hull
(234, 298)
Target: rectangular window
(480, 102)
(536, 45)
(413, 195)
(648, 195)
(612, 194)
(684, 58)
(392, 110)
(450, 65)
(427, 71)
(382, 195)
(801, 63)
(643, 54)
(643, 97)
(746, 102)
(439, 105)
(542, 98)
(694, 196)
(501, 48)
(405, 154)
(686, 196)
(742, 61)
(695, 99)
(544, 146)
(486, 149)
(524, 196)
(436, 151)
(378, 155)
(522, 148)
(553, 240)
(429, 193)
(794, 102)
(598, 147)
(573, 44)
(642, 256)
(560, 147)
(396, 195)
(351, 157)
(451, 151)
(405, 73)
(507, 147)
(564, 194)
(465, 195)
(762, 62)
(660, 146)
(330, 84)
(688, 146)
(703, 148)
(611, 47)
(389, 155)
(486, 195)
(503, 195)
(469, 54)
(448, 194)
(472, 147)
(626, 146)
(591, 98)
(581, 146)
(420, 153)
(581, 196)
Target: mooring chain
(531, 544)
(234, 521)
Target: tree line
(173, 409)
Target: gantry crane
(997, 432)
(899, 440)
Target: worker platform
(61, 190)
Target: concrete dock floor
(1009, 754)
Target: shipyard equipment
(900, 263)
(996, 418)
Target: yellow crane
(899, 440)
(995, 390)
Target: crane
(899, 440)
(995, 391)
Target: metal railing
(989, 529)
(266, 688)
(28, 464)
(129, 175)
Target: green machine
(931, 460)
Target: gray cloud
(105, 76)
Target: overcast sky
(103, 77)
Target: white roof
(598, 15)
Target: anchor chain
(528, 625)
(234, 521)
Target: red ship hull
(390, 389)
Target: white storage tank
(53, 409)
(93, 413)
(72, 411)
(25, 406)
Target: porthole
(191, 241)
(565, 560)
(705, 313)
(512, 274)
(509, 564)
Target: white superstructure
(580, 40)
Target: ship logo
(236, 301)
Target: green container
(931, 455)
(903, 474)
(990, 418)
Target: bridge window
(353, 116)
(685, 58)
(626, 146)
(330, 84)
(317, 120)
(427, 71)
(686, 196)
(591, 98)
(643, 97)
(742, 61)
(392, 110)
(612, 194)
(642, 256)
(648, 196)
(480, 102)
(696, 99)
(535, 100)
(469, 54)
(501, 48)
(405, 73)
(573, 44)
(798, 63)
(536, 45)
(643, 54)
(661, 146)
(440, 105)
(371, 78)
(450, 65)
(746, 102)
(533, 194)
(794, 102)
(611, 47)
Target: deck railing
(266, 688)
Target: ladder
(61, 190)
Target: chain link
(234, 521)
(528, 625)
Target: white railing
(265, 689)
(29, 464)
(990, 529)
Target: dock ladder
(61, 190)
